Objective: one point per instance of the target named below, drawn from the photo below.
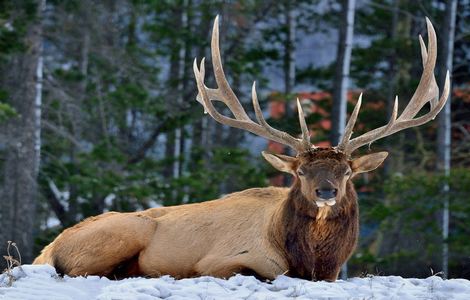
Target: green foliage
(126, 100)
(408, 217)
(111, 108)
(14, 21)
(228, 166)
(6, 111)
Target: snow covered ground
(41, 282)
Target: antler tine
(394, 115)
(257, 108)
(274, 132)
(427, 91)
(303, 126)
(431, 115)
(427, 88)
(424, 57)
(242, 124)
(389, 125)
(375, 134)
(208, 107)
(424, 51)
(225, 94)
(399, 125)
(348, 131)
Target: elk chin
(327, 202)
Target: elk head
(323, 173)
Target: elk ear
(368, 162)
(281, 162)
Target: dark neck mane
(302, 232)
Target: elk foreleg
(326, 269)
(260, 267)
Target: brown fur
(263, 231)
(316, 248)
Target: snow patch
(34, 282)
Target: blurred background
(98, 113)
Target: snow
(34, 282)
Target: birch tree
(444, 119)
(343, 62)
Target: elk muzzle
(326, 193)
(326, 196)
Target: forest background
(98, 113)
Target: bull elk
(308, 230)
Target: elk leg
(327, 270)
(101, 245)
(213, 266)
(260, 268)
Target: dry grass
(12, 262)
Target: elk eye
(348, 172)
(300, 172)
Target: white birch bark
(38, 109)
(444, 129)
(341, 81)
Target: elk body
(308, 230)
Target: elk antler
(427, 91)
(225, 94)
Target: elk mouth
(326, 202)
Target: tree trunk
(392, 80)
(23, 144)
(172, 137)
(180, 91)
(198, 126)
(289, 66)
(187, 87)
(390, 166)
(289, 51)
(444, 120)
(341, 80)
(77, 122)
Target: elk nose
(326, 193)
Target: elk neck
(299, 229)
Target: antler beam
(426, 92)
(225, 94)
